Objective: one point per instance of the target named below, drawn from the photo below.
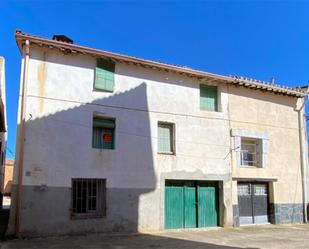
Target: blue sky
(258, 39)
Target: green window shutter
(165, 138)
(105, 123)
(103, 133)
(104, 75)
(209, 98)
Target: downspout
(303, 156)
(21, 137)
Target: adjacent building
(3, 135)
(8, 177)
(110, 143)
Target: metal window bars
(88, 196)
(249, 153)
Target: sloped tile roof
(21, 37)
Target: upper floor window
(208, 98)
(103, 133)
(104, 75)
(251, 148)
(251, 152)
(166, 138)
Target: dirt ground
(269, 236)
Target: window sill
(101, 148)
(102, 90)
(205, 110)
(167, 153)
(250, 167)
(86, 216)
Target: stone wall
(286, 213)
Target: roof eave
(20, 37)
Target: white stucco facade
(60, 104)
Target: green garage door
(191, 204)
(207, 204)
(174, 200)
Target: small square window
(103, 133)
(104, 75)
(166, 138)
(88, 197)
(209, 98)
(251, 152)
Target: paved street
(270, 236)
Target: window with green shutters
(104, 75)
(103, 133)
(209, 98)
(166, 138)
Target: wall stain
(42, 75)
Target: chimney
(62, 38)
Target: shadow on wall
(58, 147)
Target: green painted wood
(190, 207)
(208, 98)
(104, 78)
(165, 138)
(103, 122)
(191, 204)
(208, 205)
(174, 206)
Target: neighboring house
(3, 135)
(109, 142)
(8, 176)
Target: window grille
(244, 190)
(260, 190)
(250, 154)
(88, 197)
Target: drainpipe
(303, 155)
(20, 160)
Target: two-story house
(109, 142)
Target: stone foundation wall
(286, 213)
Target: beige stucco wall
(276, 116)
(8, 176)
